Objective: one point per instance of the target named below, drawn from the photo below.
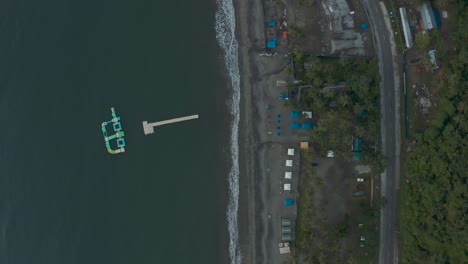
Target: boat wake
(225, 34)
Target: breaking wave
(225, 34)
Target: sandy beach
(260, 208)
(249, 32)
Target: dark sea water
(63, 198)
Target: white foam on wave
(225, 34)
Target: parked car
(359, 193)
(361, 186)
(360, 179)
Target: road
(390, 126)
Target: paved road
(385, 49)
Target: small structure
(307, 114)
(295, 125)
(289, 163)
(359, 193)
(281, 83)
(290, 152)
(295, 114)
(444, 14)
(427, 16)
(406, 28)
(433, 59)
(288, 175)
(284, 248)
(285, 222)
(287, 187)
(307, 125)
(271, 44)
(119, 134)
(288, 202)
(361, 169)
(356, 148)
(286, 237)
(304, 145)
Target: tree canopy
(433, 218)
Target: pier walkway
(148, 128)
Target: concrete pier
(148, 128)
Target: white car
(360, 179)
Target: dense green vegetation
(345, 98)
(433, 213)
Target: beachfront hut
(295, 114)
(287, 187)
(290, 151)
(288, 175)
(295, 125)
(289, 163)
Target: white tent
(290, 151)
(288, 175)
(288, 163)
(287, 186)
(307, 114)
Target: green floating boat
(118, 135)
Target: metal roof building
(406, 28)
(427, 16)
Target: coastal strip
(225, 35)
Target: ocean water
(172, 196)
